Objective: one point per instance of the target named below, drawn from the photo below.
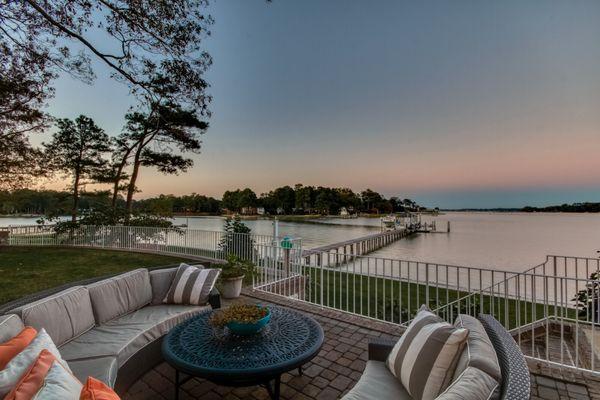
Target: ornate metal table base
(195, 349)
(273, 386)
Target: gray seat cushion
(10, 326)
(65, 315)
(120, 295)
(472, 384)
(124, 336)
(102, 368)
(161, 280)
(377, 382)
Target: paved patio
(337, 367)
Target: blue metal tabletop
(288, 341)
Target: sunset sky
(454, 103)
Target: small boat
(389, 223)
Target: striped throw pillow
(425, 356)
(191, 285)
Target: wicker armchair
(515, 374)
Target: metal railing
(175, 241)
(538, 306)
(552, 309)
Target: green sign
(286, 243)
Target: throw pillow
(16, 367)
(97, 390)
(12, 347)
(425, 356)
(191, 285)
(31, 382)
(59, 383)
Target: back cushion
(64, 315)
(120, 295)
(424, 357)
(161, 280)
(10, 326)
(479, 351)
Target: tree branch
(75, 35)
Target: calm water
(508, 241)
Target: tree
(236, 239)
(587, 300)
(237, 199)
(304, 196)
(154, 137)
(371, 200)
(21, 80)
(78, 149)
(153, 46)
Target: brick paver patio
(335, 369)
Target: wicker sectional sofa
(111, 328)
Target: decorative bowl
(244, 329)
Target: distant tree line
(283, 200)
(302, 199)
(573, 208)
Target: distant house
(280, 210)
(260, 210)
(344, 212)
(248, 211)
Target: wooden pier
(359, 246)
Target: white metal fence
(176, 241)
(552, 309)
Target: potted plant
(233, 274)
(241, 319)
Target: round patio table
(287, 342)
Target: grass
(25, 270)
(396, 301)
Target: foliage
(169, 204)
(105, 215)
(575, 207)
(307, 200)
(587, 300)
(238, 199)
(236, 239)
(156, 52)
(49, 202)
(241, 313)
(314, 200)
(237, 267)
(279, 201)
(154, 138)
(78, 150)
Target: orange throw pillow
(97, 390)
(31, 382)
(9, 349)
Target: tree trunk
(75, 197)
(118, 180)
(132, 180)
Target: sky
(455, 103)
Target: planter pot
(232, 287)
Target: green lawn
(396, 301)
(25, 270)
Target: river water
(506, 241)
